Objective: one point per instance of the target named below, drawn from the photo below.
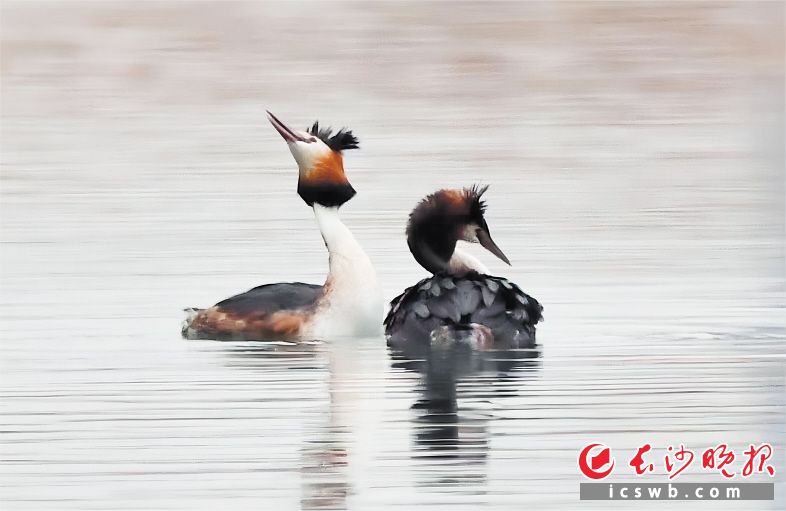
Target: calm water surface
(635, 158)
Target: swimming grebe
(461, 302)
(350, 301)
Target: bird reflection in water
(324, 455)
(460, 379)
(325, 481)
(461, 384)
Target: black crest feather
(474, 194)
(341, 140)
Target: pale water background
(635, 157)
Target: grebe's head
(443, 218)
(317, 152)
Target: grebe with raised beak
(350, 301)
(461, 302)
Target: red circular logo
(591, 465)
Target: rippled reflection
(324, 472)
(456, 397)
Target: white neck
(462, 262)
(341, 244)
(352, 296)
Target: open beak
(485, 240)
(288, 133)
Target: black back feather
(269, 298)
(443, 299)
(341, 140)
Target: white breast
(462, 262)
(352, 304)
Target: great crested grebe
(460, 302)
(350, 301)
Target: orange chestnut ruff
(327, 169)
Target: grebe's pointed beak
(485, 240)
(290, 135)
